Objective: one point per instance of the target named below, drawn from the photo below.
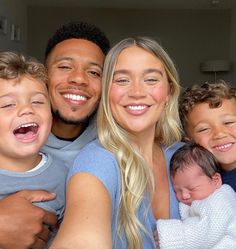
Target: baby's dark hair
(191, 153)
(211, 93)
(78, 30)
(14, 66)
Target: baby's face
(215, 129)
(192, 184)
(25, 116)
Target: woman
(119, 184)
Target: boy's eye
(229, 122)
(38, 102)
(203, 130)
(7, 105)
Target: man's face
(75, 69)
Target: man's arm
(22, 223)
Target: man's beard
(56, 115)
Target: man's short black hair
(78, 30)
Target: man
(74, 58)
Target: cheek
(115, 95)
(160, 94)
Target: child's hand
(156, 238)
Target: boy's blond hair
(14, 66)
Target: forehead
(190, 173)
(76, 49)
(25, 81)
(203, 109)
(139, 54)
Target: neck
(67, 131)
(20, 164)
(147, 146)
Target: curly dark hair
(211, 93)
(78, 30)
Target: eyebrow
(146, 71)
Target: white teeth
(223, 146)
(27, 125)
(136, 107)
(74, 97)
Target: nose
(78, 76)
(185, 195)
(218, 132)
(26, 109)
(137, 90)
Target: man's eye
(64, 67)
(96, 74)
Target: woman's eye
(121, 81)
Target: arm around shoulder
(88, 216)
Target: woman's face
(139, 90)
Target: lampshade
(215, 66)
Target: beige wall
(190, 36)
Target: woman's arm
(87, 221)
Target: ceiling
(133, 4)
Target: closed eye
(7, 105)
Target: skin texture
(215, 129)
(20, 106)
(192, 184)
(134, 85)
(74, 68)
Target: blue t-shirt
(229, 177)
(101, 163)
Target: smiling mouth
(29, 129)
(74, 97)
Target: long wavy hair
(136, 176)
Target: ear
(217, 180)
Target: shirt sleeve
(95, 160)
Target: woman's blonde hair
(136, 177)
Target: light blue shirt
(101, 163)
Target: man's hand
(22, 223)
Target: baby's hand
(156, 238)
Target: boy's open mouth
(26, 131)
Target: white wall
(16, 13)
(189, 36)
